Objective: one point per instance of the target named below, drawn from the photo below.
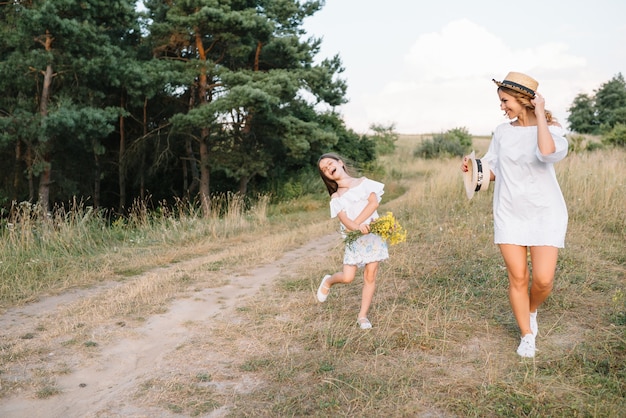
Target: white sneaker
(534, 328)
(527, 346)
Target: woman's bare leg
(543, 261)
(515, 258)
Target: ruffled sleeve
(371, 186)
(560, 142)
(357, 197)
(335, 206)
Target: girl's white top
(528, 206)
(354, 200)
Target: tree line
(180, 100)
(602, 113)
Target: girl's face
(331, 168)
(509, 104)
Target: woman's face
(509, 104)
(331, 168)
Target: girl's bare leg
(346, 276)
(369, 286)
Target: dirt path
(104, 385)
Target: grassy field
(444, 339)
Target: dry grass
(77, 248)
(79, 328)
(444, 339)
(443, 342)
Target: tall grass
(50, 252)
(595, 187)
(444, 339)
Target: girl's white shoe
(321, 296)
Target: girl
(529, 211)
(354, 201)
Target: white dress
(528, 206)
(369, 247)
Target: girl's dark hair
(332, 185)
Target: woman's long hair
(524, 100)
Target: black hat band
(479, 175)
(507, 83)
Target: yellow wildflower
(387, 227)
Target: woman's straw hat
(477, 176)
(520, 83)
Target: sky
(428, 66)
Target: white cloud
(554, 56)
(447, 81)
(461, 48)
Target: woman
(529, 211)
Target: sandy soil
(104, 384)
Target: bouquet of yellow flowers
(387, 227)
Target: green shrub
(385, 138)
(617, 136)
(576, 142)
(593, 146)
(305, 183)
(453, 143)
(462, 136)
